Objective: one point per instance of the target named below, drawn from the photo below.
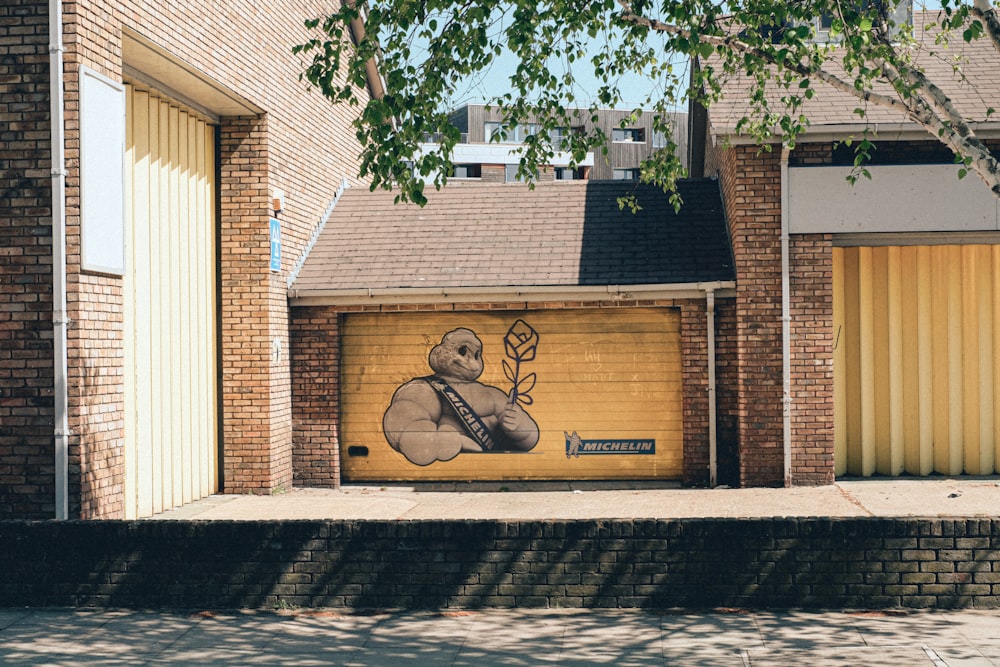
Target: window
(467, 171)
(559, 135)
(515, 135)
(570, 174)
(628, 135)
(510, 174)
(493, 128)
(660, 140)
(523, 132)
(626, 174)
(899, 14)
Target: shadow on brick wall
(659, 564)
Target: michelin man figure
(434, 418)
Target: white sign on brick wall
(102, 173)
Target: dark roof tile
(973, 88)
(486, 235)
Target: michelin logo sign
(577, 446)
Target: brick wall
(865, 562)
(315, 352)
(26, 361)
(97, 393)
(494, 173)
(315, 391)
(884, 152)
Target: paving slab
(934, 497)
(844, 657)
(570, 637)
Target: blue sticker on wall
(275, 244)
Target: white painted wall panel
(898, 198)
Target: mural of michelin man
(434, 418)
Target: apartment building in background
(489, 154)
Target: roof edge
(880, 131)
(530, 294)
(314, 238)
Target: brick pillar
(811, 259)
(752, 192)
(726, 379)
(315, 352)
(694, 369)
(27, 483)
(256, 400)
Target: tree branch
(930, 107)
(952, 130)
(985, 12)
(736, 44)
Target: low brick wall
(694, 563)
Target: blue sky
(634, 88)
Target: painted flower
(520, 344)
(521, 341)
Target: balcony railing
(435, 138)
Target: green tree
(426, 49)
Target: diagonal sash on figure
(473, 424)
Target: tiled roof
(500, 235)
(973, 89)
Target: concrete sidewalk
(928, 497)
(499, 637)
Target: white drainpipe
(60, 321)
(712, 437)
(786, 321)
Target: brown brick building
(143, 333)
(622, 310)
(166, 332)
(866, 316)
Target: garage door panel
(916, 360)
(613, 380)
(170, 330)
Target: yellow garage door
(169, 291)
(917, 359)
(544, 395)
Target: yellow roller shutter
(603, 387)
(917, 382)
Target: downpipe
(60, 320)
(713, 466)
(786, 321)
